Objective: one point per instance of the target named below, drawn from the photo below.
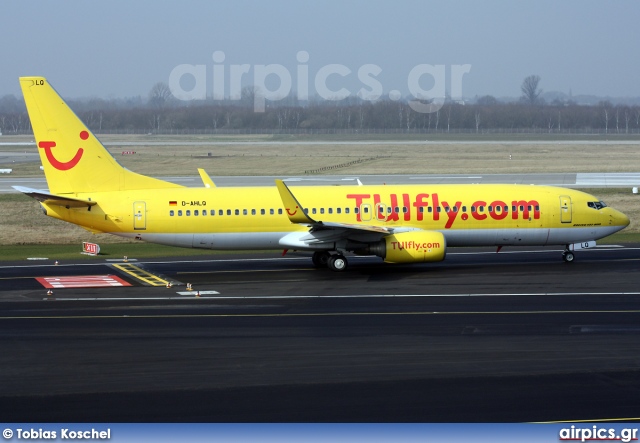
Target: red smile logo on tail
(63, 166)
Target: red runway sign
(82, 281)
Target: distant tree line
(160, 113)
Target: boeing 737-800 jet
(399, 223)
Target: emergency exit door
(139, 215)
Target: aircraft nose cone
(621, 219)
(625, 219)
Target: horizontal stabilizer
(52, 199)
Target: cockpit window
(597, 205)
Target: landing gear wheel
(320, 259)
(337, 263)
(568, 256)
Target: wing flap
(368, 228)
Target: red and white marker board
(82, 281)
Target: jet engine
(408, 247)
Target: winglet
(206, 180)
(294, 209)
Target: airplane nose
(620, 219)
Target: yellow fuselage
(254, 217)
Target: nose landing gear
(567, 255)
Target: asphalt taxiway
(514, 336)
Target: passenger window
(447, 209)
(228, 211)
(244, 212)
(514, 209)
(272, 212)
(438, 209)
(421, 209)
(313, 210)
(429, 209)
(455, 209)
(397, 209)
(321, 210)
(338, 210)
(506, 209)
(188, 213)
(180, 213)
(262, 212)
(196, 212)
(366, 209)
(464, 209)
(204, 212)
(330, 210)
(529, 208)
(473, 209)
(480, 208)
(405, 209)
(237, 211)
(346, 210)
(521, 208)
(355, 210)
(171, 213)
(490, 208)
(280, 211)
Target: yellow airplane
(399, 223)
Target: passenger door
(566, 209)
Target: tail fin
(74, 160)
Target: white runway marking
(515, 294)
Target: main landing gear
(335, 262)
(567, 255)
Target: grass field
(439, 156)
(22, 222)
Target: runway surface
(514, 336)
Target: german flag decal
(173, 203)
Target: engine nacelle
(409, 247)
(415, 246)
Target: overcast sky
(121, 48)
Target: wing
(323, 234)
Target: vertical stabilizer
(74, 160)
